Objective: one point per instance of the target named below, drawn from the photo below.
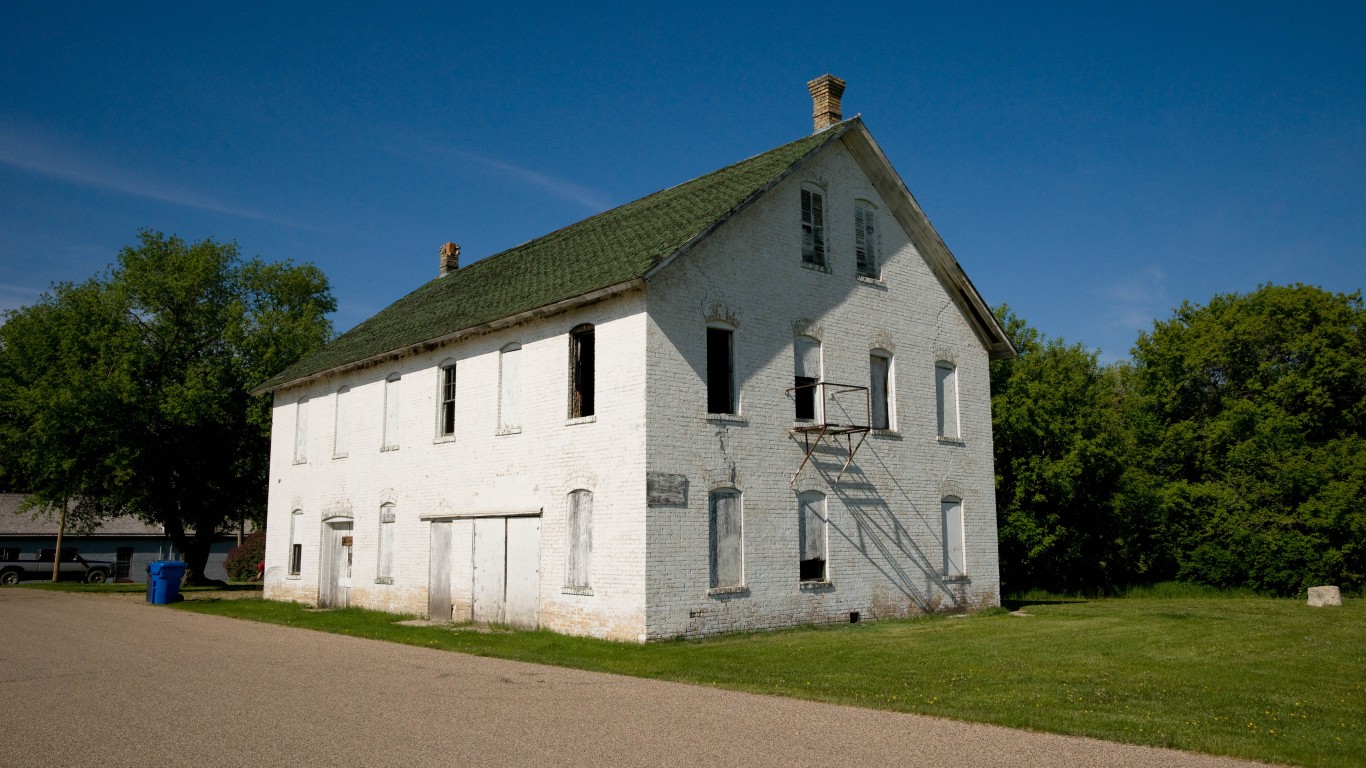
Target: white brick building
(600, 431)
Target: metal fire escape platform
(836, 410)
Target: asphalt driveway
(89, 681)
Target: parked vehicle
(71, 567)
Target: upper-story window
(581, 372)
(806, 360)
(391, 400)
(813, 227)
(341, 423)
(881, 400)
(446, 425)
(865, 239)
(510, 392)
(301, 431)
(721, 370)
(946, 398)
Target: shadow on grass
(1015, 604)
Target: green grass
(1250, 677)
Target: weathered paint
(439, 579)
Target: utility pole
(57, 556)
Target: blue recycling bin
(163, 581)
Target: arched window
(385, 554)
(581, 371)
(510, 392)
(881, 399)
(727, 539)
(579, 546)
(811, 534)
(955, 556)
(296, 547)
(946, 398)
(391, 424)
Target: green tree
(129, 394)
(1060, 450)
(1250, 444)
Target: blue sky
(1090, 164)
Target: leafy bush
(242, 559)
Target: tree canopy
(129, 394)
(1229, 452)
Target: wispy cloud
(16, 296)
(45, 158)
(1137, 299)
(564, 189)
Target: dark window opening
(813, 570)
(806, 398)
(813, 228)
(720, 371)
(581, 372)
(123, 563)
(296, 559)
(448, 401)
(9, 554)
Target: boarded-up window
(806, 358)
(447, 425)
(581, 373)
(720, 371)
(580, 538)
(387, 518)
(865, 241)
(510, 396)
(955, 562)
(813, 228)
(811, 535)
(391, 424)
(296, 548)
(946, 398)
(727, 540)
(301, 431)
(880, 389)
(341, 427)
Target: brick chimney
(826, 91)
(450, 258)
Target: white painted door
(335, 590)
(439, 579)
(490, 574)
(523, 571)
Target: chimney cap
(826, 92)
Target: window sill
(385, 580)
(736, 590)
(585, 591)
(814, 586)
(816, 267)
(388, 448)
(950, 441)
(509, 431)
(294, 576)
(297, 462)
(581, 420)
(961, 579)
(439, 439)
(889, 434)
(336, 456)
(876, 282)
(728, 418)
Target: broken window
(341, 428)
(720, 371)
(296, 548)
(880, 389)
(811, 535)
(580, 538)
(301, 431)
(946, 398)
(813, 227)
(955, 563)
(806, 355)
(727, 540)
(447, 426)
(581, 365)
(391, 430)
(865, 240)
(387, 518)
(510, 399)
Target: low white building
(753, 400)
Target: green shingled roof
(599, 252)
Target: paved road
(117, 683)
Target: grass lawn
(1250, 677)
